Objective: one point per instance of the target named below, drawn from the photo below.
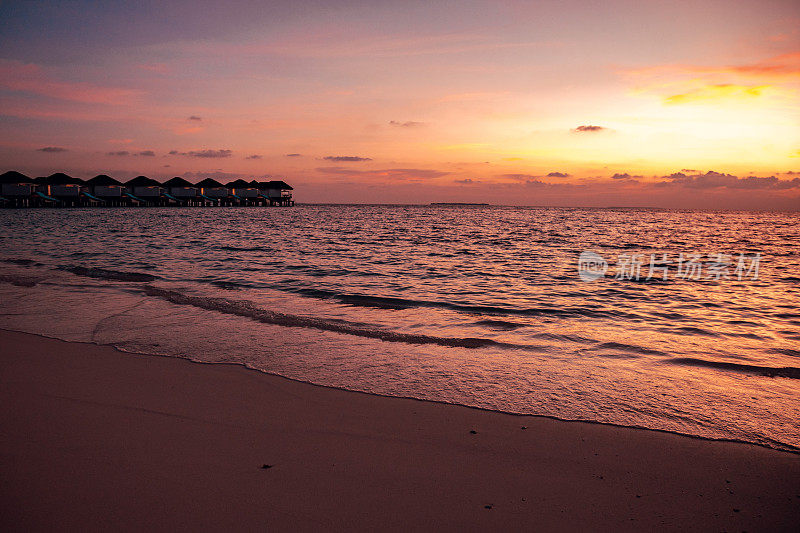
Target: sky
(682, 104)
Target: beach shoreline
(94, 438)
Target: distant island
(455, 203)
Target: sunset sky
(674, 104)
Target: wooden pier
(60, 190)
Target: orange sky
(672, 104)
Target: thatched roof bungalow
(242, 189)
(144, 187)
(104, 186)
(276, 189)
(212, 189)
(61, 186)
(180, 188)
(15, 184)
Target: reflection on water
(470, 305)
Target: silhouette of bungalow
(181, 190)
(61, 190)
(106, 188)
(244, 192)
(142, 190)
(212, 190)
(277, 192)
(16, 189)
(60, 187)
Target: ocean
(681, 321)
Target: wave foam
(247, 309)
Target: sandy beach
(95, 439)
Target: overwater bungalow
(60, 187)
(107, 189)
(143, 190)
(277, 192)
(181, 190)
(61, 190)
(16, 189)
(244, 193)
(213, 191)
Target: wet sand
(95, 439)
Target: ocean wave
(690, 331)
(770, 371)
(629, 348)
(230, 285)
(785, 351)
(247, 309)
(114, 275)
(387, 302)
(19, 281)
(500, 324)
(22, 262)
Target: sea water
(685, 321)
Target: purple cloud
(407, 124)
(52, 149)
(346, 158)
(389, 173)
(589, 129)
(716, 180)
(207, 154)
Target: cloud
(214, 174)
(147, 153)
(775, 68)
(408, 124)
(119, 153)
(588, 128)
(780, 65)
(716, 92)
(194, 117)
(31, 78)
(207, 154)
(52, 149)
(519, 177)
(346, 158)
(210, 153)
(716, 180)
(292, 155)
(678, 84)
(254, 156)
(626, 178)
(526, 177)
(409, 174)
